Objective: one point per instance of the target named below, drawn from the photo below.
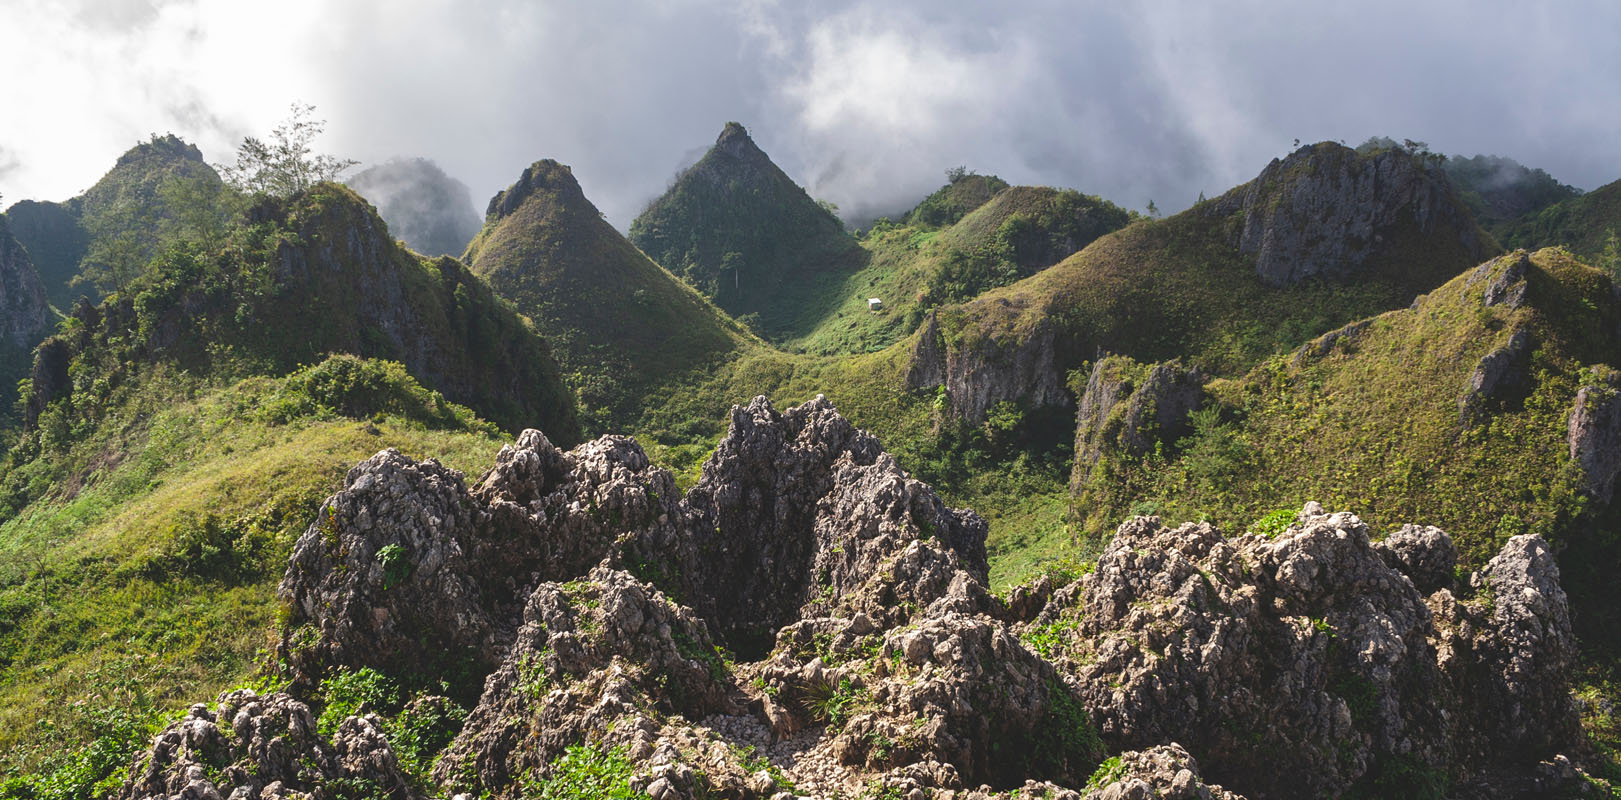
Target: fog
(866, 104)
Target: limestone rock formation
(1594, 434)
(1165, 772)
(25, 316)
(1325, 211)
(1306, 665)
(1128, 408)
(810, 621)
(252, 747)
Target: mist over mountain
(427, 209)
(866, 103)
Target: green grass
(109, 574)
(1374, 426)
(1582, 224)
(618, 323)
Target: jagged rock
(25, 316)
(407, 554)
(591, 654)
(1324, 211)
(797, 508)
(1496, 373)
(1127, 412)
(1300, 665)
(1424, 553)
(1509, 652)
(1165, 772)
(254, 747)
(1593, 433)
(979, 374)
(1508, 287)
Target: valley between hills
(1308, 490)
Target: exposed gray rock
(1301, 665)
(253, 747)
(980, 373)
(798, 508)
(1342, 337)
(1497, 372)
(593, 656)
(25, 316)
(1593, 433)
(1326, 211)
(1127, 409)
(1424, 553)
(1165, 772)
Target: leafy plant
(351, 692)
(584, 771)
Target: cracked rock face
(866, 654)
(1326, 211)
(253, 747)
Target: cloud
(865, 103)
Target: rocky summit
(807, 620)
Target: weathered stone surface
(1325, 211)
(1424, 553)
(988, 372)
(1165, 772)
(1128, 409)
(25, 315)
(253, 747)
(1301, 665)
(1593, 433)
(1497, 372)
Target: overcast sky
(864, 103)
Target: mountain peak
(543, 175)
(734, 140)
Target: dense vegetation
(745, 235)
(181, 433)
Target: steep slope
(124, 217)
(310, 276)
(1488, 408)
(56, 242)
(1317, 240)
(427, 209)
(1012, 234)
(25, 316)
(620, 324)
(1584, 224)
(741, 231)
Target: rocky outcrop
(25, 316)
(1496, 374)
(1165, 772)
(1593, 434)
(1326, 211)
(1306, 664)
(252, 747)
(1128, 409)
(977, 373)
(809, 619)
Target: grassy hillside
(56, 241)
(963, 192)
(159, 190)
(741, 231)
(914, 267)
(1500, 191)
(619, 324)
(1376, 419)
(144, 576)
(309, 276)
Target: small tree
(286, 164)
(201, 209)
(120, 245)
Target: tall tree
(285, 164)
